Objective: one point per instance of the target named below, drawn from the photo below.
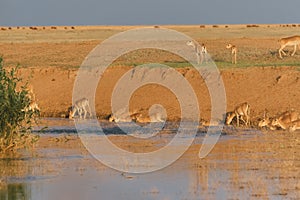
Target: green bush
(16, 117)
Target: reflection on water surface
(246, 165)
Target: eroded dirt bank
(275, 89)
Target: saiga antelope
(81, 107)
(201, 51)
(155, 117)
(266, 122)
(288, 41)
(239, 111)
(295, 125)
(285, 119)
(33, 106)
(233, 49)
(122, 115)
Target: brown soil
(274, 89)
(53, 56)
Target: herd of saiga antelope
(201, 51)
(289, 120)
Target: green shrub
(16, 117)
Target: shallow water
(246, 165)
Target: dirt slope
(274, 89)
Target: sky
(147, 12)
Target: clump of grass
(252, 26)
(16, 117)
(33, 28)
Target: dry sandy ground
(275, 89)
(52, 57)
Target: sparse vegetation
(252, 26)
(257, 46)
(33, 28)
(16, 117)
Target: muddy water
(245, 164)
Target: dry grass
(64, 34)
(67, 46)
